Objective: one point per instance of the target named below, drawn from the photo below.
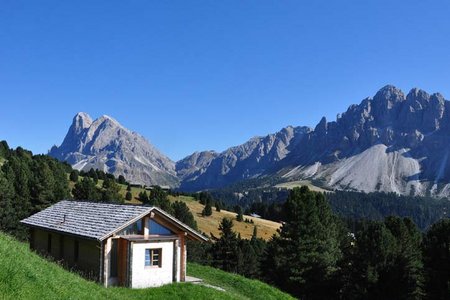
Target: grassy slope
(299, 183)
(25, 275)
(266, 228)
(210, 224)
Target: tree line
(316, 255)
(28, 184)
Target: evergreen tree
(129, 187)
(405, 279)
(158, 197)
(386, 263)
(436, 250)
(255, 233)
(43, 185)
(86, 190)
(225, 250)
(181, 212)
(74, 176)
(143, 197)
(128, 196)
(121, 179)
(9, 221)
(218, 206)
(111, 191)
(239, 216)
(207, 210)
(304, 257)
(18, 172)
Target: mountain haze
(106, 145)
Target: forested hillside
(265, 199)
(318, 256)
(30, 183)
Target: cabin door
(122, 262)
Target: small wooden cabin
(118, 245)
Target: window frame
(151, 261)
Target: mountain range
(392, 142)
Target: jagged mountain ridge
(254, 158)
(391, 143)
(106, 145)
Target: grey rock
(391, 143)
(252, 159)
(106, 145)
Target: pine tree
(128, 196)
(218, 206)
(386, 262)
(111, 191)
(8, 216)
(207, 210)
(304, 257)
(225, 250)
(143, 197)
(74, 176)
(121, 179)
(86, 190)
(436, 249)
(181, 212)
(239, 216)
(255, 233)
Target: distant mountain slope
(391, 143)
(106, 145)
(254, 158)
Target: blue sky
(201, 75)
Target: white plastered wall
(150, 276)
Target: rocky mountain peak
(321, 127)
(81, 121)
(389, 93)
(106, 145)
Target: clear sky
(207, 75)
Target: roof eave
(60, 231)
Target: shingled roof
(96, 220)
(89, 219)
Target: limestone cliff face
(106, 145)
(392, 142)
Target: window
(153, 257)
(133, 229)
(158, 229)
